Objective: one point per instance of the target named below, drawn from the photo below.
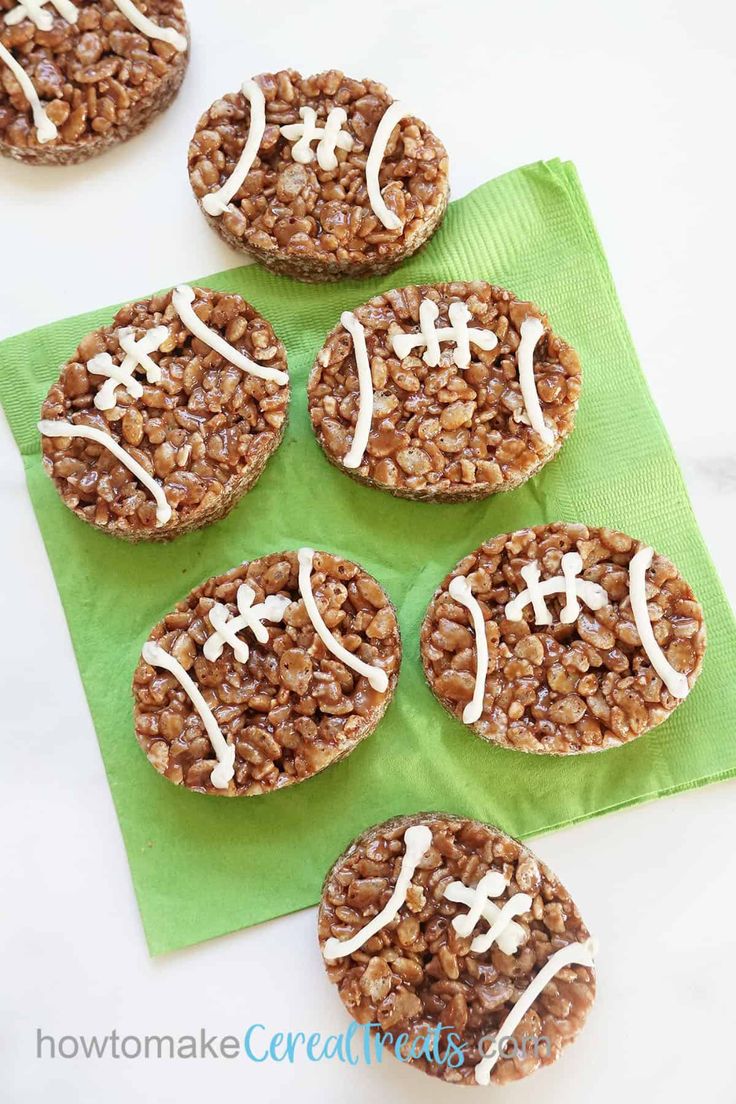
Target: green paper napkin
(203, 866)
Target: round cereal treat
(77, 78)
(267, 674)
(160, 422)
(444, 934)
(443, 392)
(563, 639)
(318, 177)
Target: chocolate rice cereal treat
(563, 639)
(266, 675)
(161, 421)
(318, 177)
(443, 392)
(79, 77)
(445, 934)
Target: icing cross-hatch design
(568, 583)
(329, 137)
(227, 626)
(430, 337)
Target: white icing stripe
(594, 596)
(580, 954)
(510, 939)
(147, 27)
(121, 375)
(216, 203)
(331, 137)
(531, 331)
(572, 565)
(182, 298)
(354, 456)
(45, 130)
(417, 841)
(376, 676)
(225, 768)
(249, 616)
(675, 681)
(459, 589)
(393, 114)
(430, 337)
(515, 906)
(533, 596)
(44, 20)
(67, 429)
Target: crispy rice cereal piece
(317, 223)
(100, 80)
(203, 433)
(418, 974)
(444, 433)
(563, 688)
(292, 708)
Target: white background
(636, 94)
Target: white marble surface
(636, 95)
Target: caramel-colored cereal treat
(443, 392)
(160, 422)
(460, 949)
(318, 177)
(79, 77)
(266, 675)
(563, 639)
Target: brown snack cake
(153, 429)
(77, 79)
(265, 675)
(443, 392)
(457, 947)
(588, 637)
(319, 177)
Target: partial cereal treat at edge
(356, 200)
(418, 975)
(592, 639)
(195, 429)
(286, 705)
(97, 77)
(466, 392)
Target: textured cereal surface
(418, 973)
(100, 80)
(560, 688)
(292, 708)
(309, 222)
(204, 432)
(443, 433)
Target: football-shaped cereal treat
(461, 949)
(161, 421)
(79, 77)
(563, 639)
(266, 675)
(443, 392)
(318, 177)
